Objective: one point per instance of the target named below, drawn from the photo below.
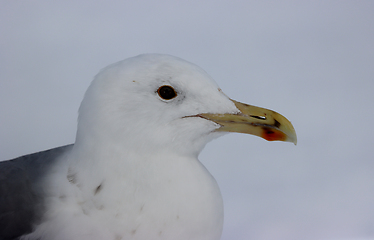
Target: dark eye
(166, 92)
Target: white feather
(133, 172)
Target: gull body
(133, 171)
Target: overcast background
(312, 61)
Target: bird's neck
(91, 166)
(136, 187)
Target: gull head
(156, 102)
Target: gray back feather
(21, 195)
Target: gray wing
(21, 196)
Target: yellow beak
(257, 121)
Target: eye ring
(166, 92)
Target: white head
(125, 106)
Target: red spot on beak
(273, 135)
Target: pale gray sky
(312, 61)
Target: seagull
(133, 172)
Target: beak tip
(293, 139)
(291, 136)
